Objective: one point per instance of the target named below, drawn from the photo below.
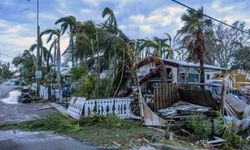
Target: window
(208, 76)
(193, 77)
(182, 77)
(169, 73)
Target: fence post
(222, 105)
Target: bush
(201, 127)
(232, 139)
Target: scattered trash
(60, 108)
(116, 144)
(216, 142)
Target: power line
(247, 32)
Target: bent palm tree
(69, 23)
(26, 64)
(45, 54)
(56, 34)
(169, 48)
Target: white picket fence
(56, 93)
(118, 106)
(33, 86)
(43, 93)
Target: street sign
(38, 74)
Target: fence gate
(165, 95)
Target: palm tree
(45, 54)
(26, 64)
(192, 36)
(56, 35)
(122, 50)
(69, 24)
(5, 70)
(110, 24)
(139, 46)
(86, 43)
(162, 47)
(169, 48)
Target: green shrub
(201, 127)
(232, 139)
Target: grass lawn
(102, 131)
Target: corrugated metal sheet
(237, 104)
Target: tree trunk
(58, 76)
(72, 50)
(202, 71)
(201, 51)
(99, 66)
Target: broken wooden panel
(165, 95)
(197, 96)
(150, 118)
(75, 107)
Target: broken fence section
(118, 106)
(44, 94)
(165, 95)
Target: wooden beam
(222, 104)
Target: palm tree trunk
(202, 77)
(99, 65)
(55, 53)
(58, 61)
(201, 50)
(72, 49)
(122, 74)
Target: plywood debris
(183, 109)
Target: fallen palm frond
(54, 122)
(110, 121)
(159, 64)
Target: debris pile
(184, 110)
(26, 95)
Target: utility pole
(38, 47)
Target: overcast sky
(137, 18)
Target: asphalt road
(20, 112)
(19, 140)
